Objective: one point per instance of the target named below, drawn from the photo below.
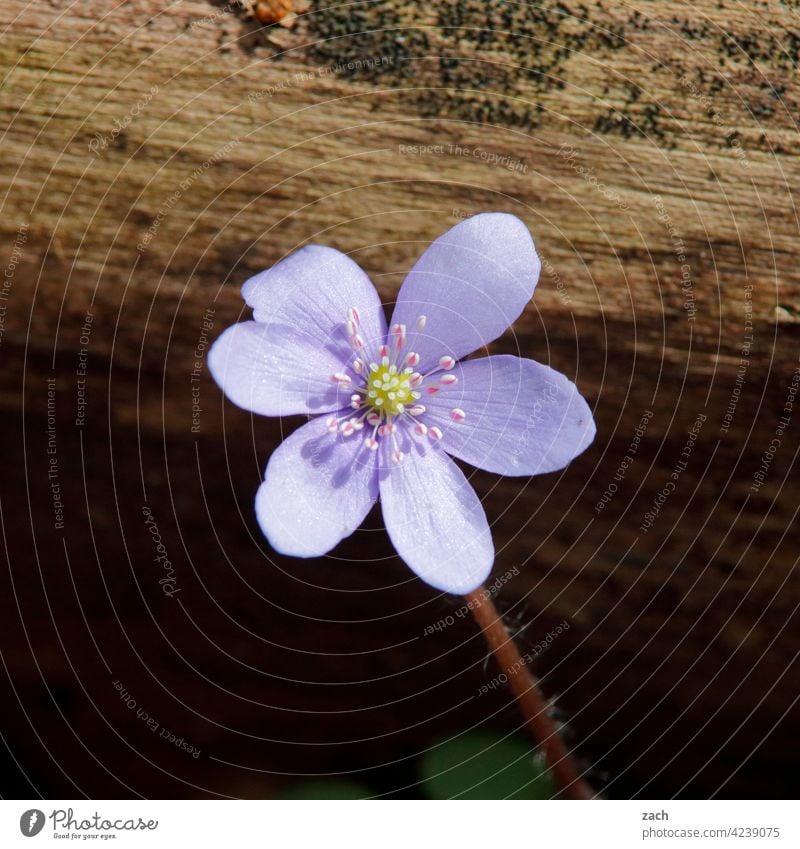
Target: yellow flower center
(389, 390)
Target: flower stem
(529, 697)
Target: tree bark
(153, 159)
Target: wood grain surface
(154, 156)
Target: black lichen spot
(495, 61)
(480, 60)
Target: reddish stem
(529, 697)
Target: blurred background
(156, 155)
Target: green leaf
(485, 765)
(324, 788)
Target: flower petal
(522, 418)
(470, 284)
(317, 489)
(269, 370)
(311, 291)
(434, 519)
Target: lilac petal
(434, 519)
(470, 284)
(317, 489)
(522, 418)
(310, 292)
(267, 369)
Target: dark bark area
(678, 674)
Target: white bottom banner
(400, 824)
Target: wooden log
(152, 159)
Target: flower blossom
(391, 405)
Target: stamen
(397, 457)
(382, 393)
(399, 333)
(388, 389)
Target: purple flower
(391, 405)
